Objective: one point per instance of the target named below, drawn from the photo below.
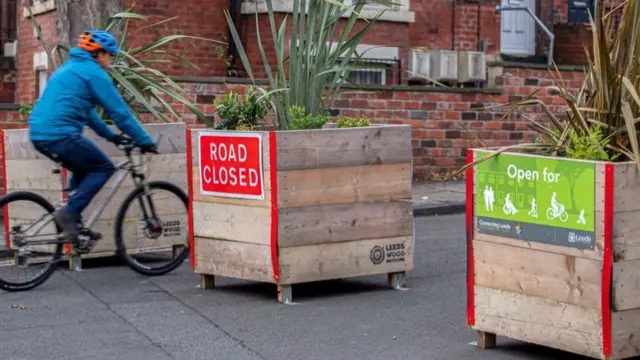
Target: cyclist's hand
(149, 148)
(120, 140)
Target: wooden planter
(26, 169)
(334, 203)
(573, 287)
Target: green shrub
(588, 146)
(302, 120)
(346, 122)
(245, 115)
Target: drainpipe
(233, 12)
(453, 25)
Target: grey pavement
(109, 312)
(439, 198)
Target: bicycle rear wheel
(32, 239)
(166, 237)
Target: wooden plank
(626, 285)
(626, 192)
(233, 259)
(195, 155)
(625, 337)
(173, 139)
(347, 259)
(344, 222)
(556, 249)
(552, 276)
(266, 202)
(232, 222)
(343, 185)
(32, 175)
(311, 149)
(540, 321)
(626, 236)
(18, 147)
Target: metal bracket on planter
(500, 8)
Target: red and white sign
(231, 164)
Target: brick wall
(443, 24)
(444, 124)
(28, 45)
(202, 18)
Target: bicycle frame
(129, 168)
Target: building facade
(504, 43)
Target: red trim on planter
(471, 316)
(274, 203)
(4, 189)
(192, 251)
(607, 261)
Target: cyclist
(67, 105)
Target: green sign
(542, 199)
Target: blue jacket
(69, 100)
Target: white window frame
(41, 67)
(399, 13)
(38, 7)
(42, 73)
(403, 4)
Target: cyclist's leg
(91, 169)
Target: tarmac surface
(109, 312)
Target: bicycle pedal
(22, 261)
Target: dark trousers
(90, 166)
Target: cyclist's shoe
(86, 240)
(67, 222)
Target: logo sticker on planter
(541, 199)
(231, 164)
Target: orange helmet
(93, 40)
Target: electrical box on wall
(472, 66)
(419, 64)
(11, 48)
(444, 65)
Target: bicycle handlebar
(127, 145)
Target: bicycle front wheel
(31, 241)
(151, 245)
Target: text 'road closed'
(231, 164)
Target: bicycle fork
(153, 226)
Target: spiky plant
(133, 73)
(317, 56)
(603, 115)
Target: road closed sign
(231, 164)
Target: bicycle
(561, 213)
(22, 243)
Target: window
(384, 63)
(368, 77)
(579, 10)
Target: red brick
(453, 115)
(435, 134)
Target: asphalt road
(109, 312)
